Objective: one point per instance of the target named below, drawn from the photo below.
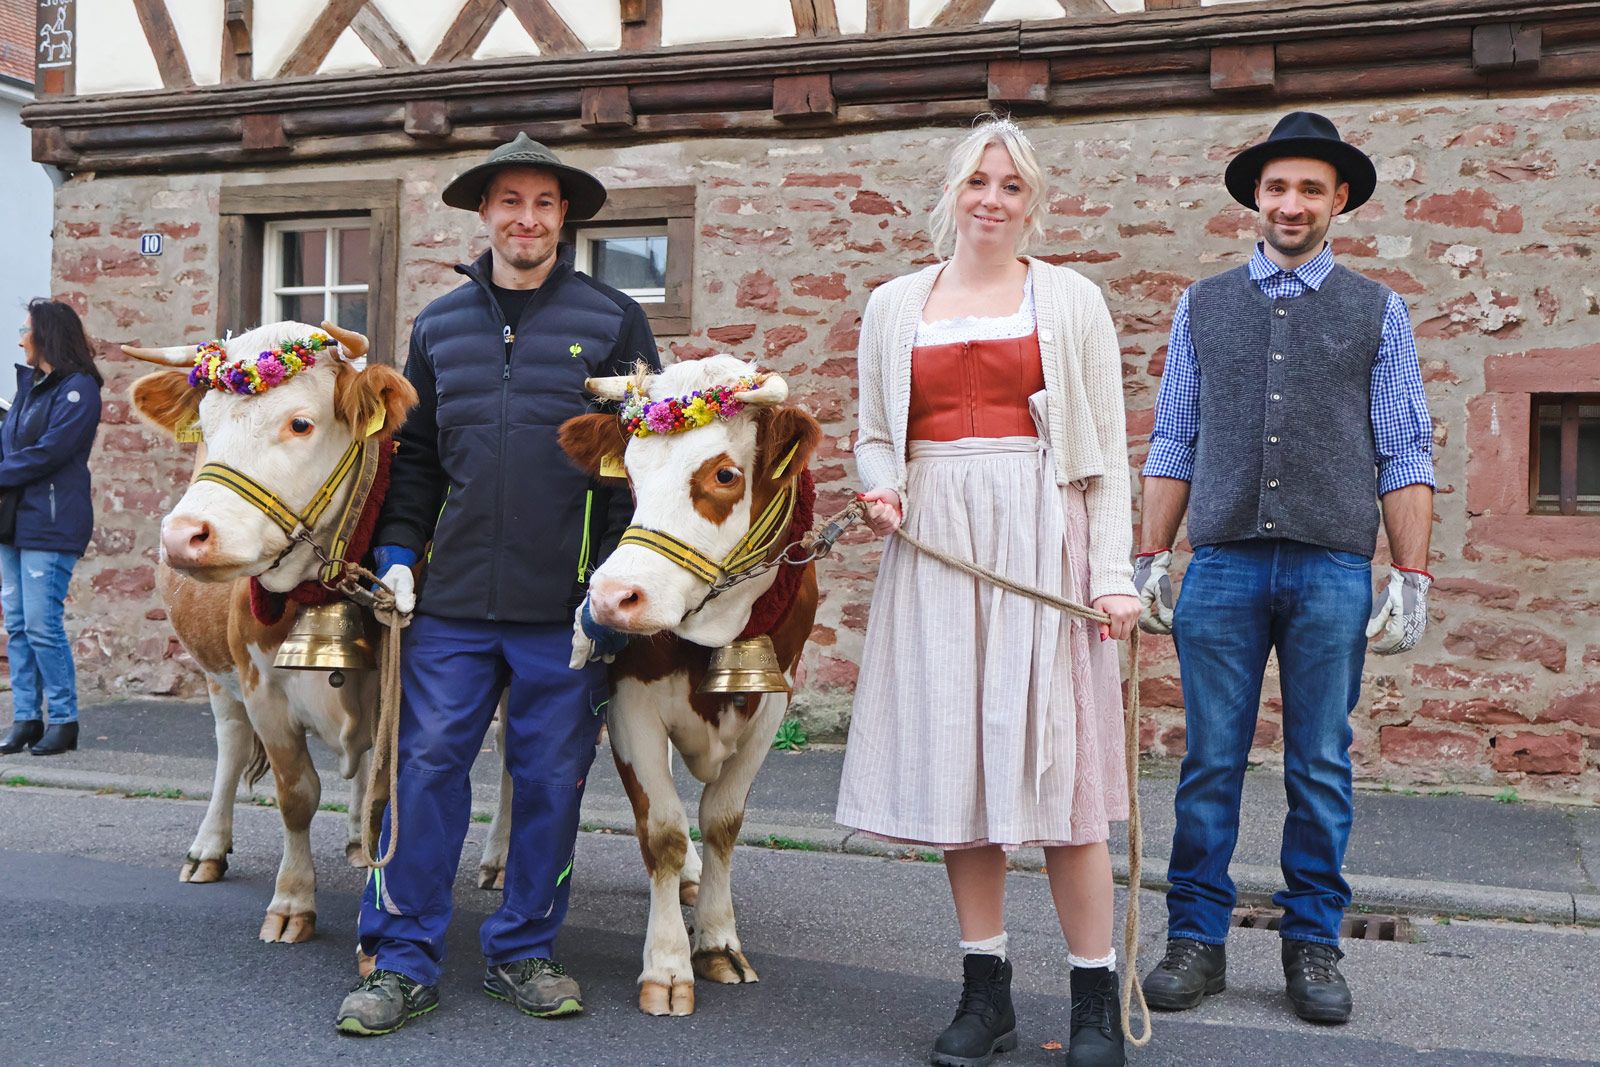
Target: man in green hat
(515, 529)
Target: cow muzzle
(193, 546)
(621, 605)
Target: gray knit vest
(1285, 444)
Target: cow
(699, 491)
(288, 438)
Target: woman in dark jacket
(46, 519)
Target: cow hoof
(688, 893)
(364, 963)
(725, 965)
(657, 998)
(198, 870)
(491, 878)
(289, 929)
(355, 854)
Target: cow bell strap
(271, 504)
(751, 549)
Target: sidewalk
(1452, 855)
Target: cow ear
(785, 439)
(167, 401)
(590, 440)
(373, 401)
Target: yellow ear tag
(778, 473)
(375, 423)
(188, 432)
(613, 467)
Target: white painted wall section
(852, 15)
(199, 26)
(702, 21)
(1024, 10)
(506, 39)
(598, 23)
(113, 56)
(27, 212)
(348, 54)
(420, 23)
(279, 28)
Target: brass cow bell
(746, 666)
(328, 637)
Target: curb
(1255, 884)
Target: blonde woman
(991, 425)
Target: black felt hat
(1303, 135)
(582, 191)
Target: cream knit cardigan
(1083, 385)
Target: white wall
(26, 216)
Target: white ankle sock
(989, 946)
(1109, 962)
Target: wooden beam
(379, 34)
(428, 119)
(1019, 81)
(606, 107)
(314, 47)
(466, 33)
(888, 16)
(1086, 7)
(547, 28)
(264, 133)
(962, 12)
(1244, 68)
(803, 96)
(641, 25)
(238, 41)
(814, 18)
(162, 37)
(1169, 5)
(51, 148)
(1506, 46)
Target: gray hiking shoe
(382, 1003)
(540, 988)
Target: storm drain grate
(1358, 927)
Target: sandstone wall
(1486, 219)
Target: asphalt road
(105, 958)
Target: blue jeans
(33, 590)
(1239, 601)
(452, 674)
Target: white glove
(603, 645)
(1154, 584)
(400, 579)
(582, 647)
(1400, 612)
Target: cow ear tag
(188, 431)
(375, 423)
(783, 466)
(612, 467)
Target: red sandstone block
(732, 335)
(843, 336)
(1355, 246)
(758, 290)
(1544, 370)
(780, 338)
(1162, 691)
(1162, 287)
(1482, 712)
(1456, 676)
(125, 581)
(821, 286)
(1464, 589)
(1484, 639)
(1467, 209)
(1581, 707)
(867, 202)
(1537, 753)
(1413, 746)
(1078, 206)
(822, 181)
(1484, 135)
(1400, 281)
(1591, 656)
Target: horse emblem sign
(55, 34)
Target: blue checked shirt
(1401, 426)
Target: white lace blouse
(1019, 323)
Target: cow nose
(188, 542)
(618, 605)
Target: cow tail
(258, 766)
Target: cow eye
(727, 475)
(301, 427)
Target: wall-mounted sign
(56, 25)
(149, 244)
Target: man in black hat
(1290, 402)
(499, 363)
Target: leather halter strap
(750, 551)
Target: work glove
(1154, 585)
(394, 565)
(591, 641)
(1400, 612)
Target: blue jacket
(44, 460)
(515, 526)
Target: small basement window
(642, 242)
(630, 258)
(316, 269)
(1564, 476)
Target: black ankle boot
(1189, 972)
(61, 737)
(1096, 1019)
(1311, 975)
(985, 1023)
(24, 732)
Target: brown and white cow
(703, 487)
(288, 439)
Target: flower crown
(642, 416)
(247, 376)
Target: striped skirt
(984, 717)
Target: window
(316, 269)
(630, 258)
(642, 242)
(1564, 455)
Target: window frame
(588, 235)
(669, 206)
(245, 210)
(272, 262)
(1567, 502)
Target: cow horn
(171, 356)
(770, 389)
(612, 388)
(354, 344)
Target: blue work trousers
(454, 672)
(1239, 601)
